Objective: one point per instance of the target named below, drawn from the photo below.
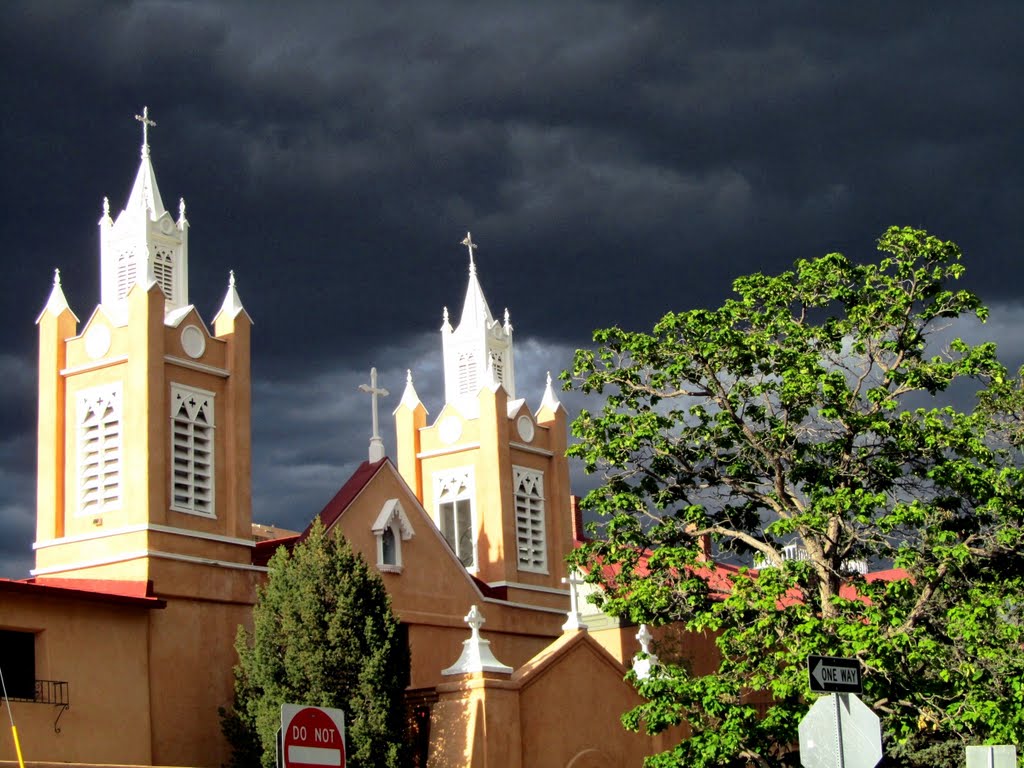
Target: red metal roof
(132, 593)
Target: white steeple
(478, 352)
(144, 244)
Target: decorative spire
(232, 303)
(573, 623)
(508, 322)
(376, 444)
(409, 397)
(181, 212)
(57, 302)
(476, 652)
(550, 399)
(445, 324)
(146, 122)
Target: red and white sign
(312, 737)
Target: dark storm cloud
(614, 160)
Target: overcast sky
(614, 160)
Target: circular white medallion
(525, 427)
(166, 225)
(450, 429)
(97, 341)
(193, 341)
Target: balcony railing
(55, 692)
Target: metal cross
(573, 621)
(146, 122)
(468, 242)
(376, 444)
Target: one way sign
(832, 675)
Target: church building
(120, 648)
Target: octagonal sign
(840, 721)
(312, 737)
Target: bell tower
(491, 472)
(144, 455)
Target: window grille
(467, 374)
(163, 271)
(192, 449)
(99, 450)
(530, 539)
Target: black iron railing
(55, 692)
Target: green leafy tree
(814, 409)
(323, 635)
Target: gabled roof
(346, 494)
(131, 593)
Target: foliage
(323, 635)
(815, 409)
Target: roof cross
(146, 122)
(376, 444)
(468, 242)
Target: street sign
(312, 737)
(831, 675)
(992, 756)
(840, 731)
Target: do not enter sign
(312, 737)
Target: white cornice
(156, 528)
(106, 363)
(531, 449)
(182, 362)
(139, 554)
(446, 451)
(530, 588)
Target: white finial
(468, 242)
(508, 322)
(646, 660)
(376, 444)
(408, 375)
(476, 653)
(106, 207)
(475, 619)
(573, 621)
(56, 278)
(181, 209)
(146, 122)
(231, 284)
(644, 637)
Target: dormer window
(391, 528)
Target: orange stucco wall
(101, 651)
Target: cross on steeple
(376, 444)
(146, 122)
(468, 242)
(573, 621)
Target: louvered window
(453, 495)
(126, 268)
(498, 366)
(467, 374)
(192, 433)
(163, 271)
(530, 541)
(99, 450)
